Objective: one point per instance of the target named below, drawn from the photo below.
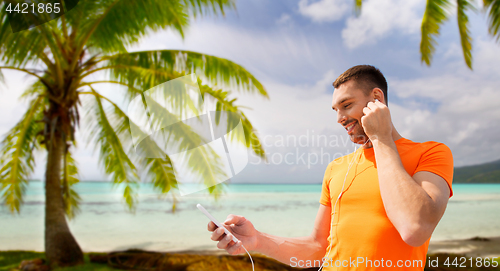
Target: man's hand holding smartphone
(241, 228)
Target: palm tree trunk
(61, 248)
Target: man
(387, 197)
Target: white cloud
(467, 119)
(284, 19)
(292, 109)
(454, 51)
(380, 18)
(327, 81)
(324, 10)
(275, 51)
(320, 87)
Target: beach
(105, 224)
(473, 247)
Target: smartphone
(217, 223)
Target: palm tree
(66, 55)
(438, 11)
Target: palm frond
(71, 199)
(203, 161)
(249, 138)
(208, 166)
(105, 29)
(199, 7)
(159, 170)
(162, 175)
(36, 89)
(463, 27)
(147, 69)
(435, 14)
(17, 160)
(109, 32)
(112, 155)
(492, 7)
(21, 48)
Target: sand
(474, 247)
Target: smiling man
(379, 205)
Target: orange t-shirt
(362, 237)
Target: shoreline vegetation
(445, 255)
(475, 174)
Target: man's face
(348, 101)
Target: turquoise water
(286, 210)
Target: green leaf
(17, 160)
(130, 197)
(37, 89)
(463, 27)
(19, 48)
(69, 178)
(29, 46)
(492, 7)
(104, 29)
(147, 69)
(203, 161)
(435, 14)
(249, 138)
(110, 33)
(112, 155)
(200, 7)
(160, 171)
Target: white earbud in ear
(376, 100)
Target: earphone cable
(341, 192)
(253, 268)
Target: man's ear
(378, 94)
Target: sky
(296, 49)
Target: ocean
(105, 224)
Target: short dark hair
(366, 76)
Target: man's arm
(312, 247)
(414, 204)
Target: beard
(359, 136)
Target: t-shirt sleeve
(325, 190)
(438, 160)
